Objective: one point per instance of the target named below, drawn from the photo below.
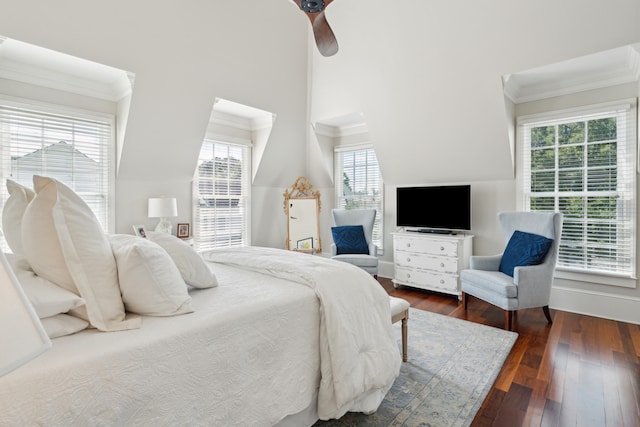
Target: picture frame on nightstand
(140, 231)
(183, 231)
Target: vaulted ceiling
(426, 86)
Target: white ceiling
(603, 69)
(32, 64)
(36, 65)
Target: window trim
(85, 114)
(338, 151)
(563, 272)
(216, 138)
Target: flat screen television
(436, 209)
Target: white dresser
(431, 261)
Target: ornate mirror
(302, 208)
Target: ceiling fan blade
(322, 32)
(325, 39)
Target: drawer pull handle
(408, 259)
(442, 248)
(408, 245)
(442, 281)
(442, 264)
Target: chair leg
(464, 300)
(508, 320)
(405, 329)
(547, 314)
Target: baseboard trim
(386, 269)
(598, 304)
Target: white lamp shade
(21, 332)
(162, 207)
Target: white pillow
(149, 280)
(12, 212)
(64, 243)
(48, 299)
(193, 268)
(63, 324)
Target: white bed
(249, 354)
(264, 337)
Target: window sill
(601, 279)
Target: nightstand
(188, 240)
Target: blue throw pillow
(524, 249)
(349, 239)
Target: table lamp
(163, 208)
(21, 333)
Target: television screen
(434, 207)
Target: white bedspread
(247, 356)
(359, 354)
(254, 351)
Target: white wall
(426, 75)
(183, 55)
(428, 81)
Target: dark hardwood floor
(579, 371)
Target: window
(582, 163)
(72, 146)
(221, 195)
(358, 184)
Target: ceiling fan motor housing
(312, 6)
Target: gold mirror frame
(302, 208)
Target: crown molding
(242, 122)
(351, 124)
(339, 131)
(43, 67)
(112, 91)
(240, 116)
(600, 70)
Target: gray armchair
(530, 285)
(365, 217)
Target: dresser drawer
(430, 262)
(426, 246)
(440, 264)
(421, 279)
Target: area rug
(452, 366)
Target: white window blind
(221, 193)
(72, 146)
(358, 184)
(582, 163)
